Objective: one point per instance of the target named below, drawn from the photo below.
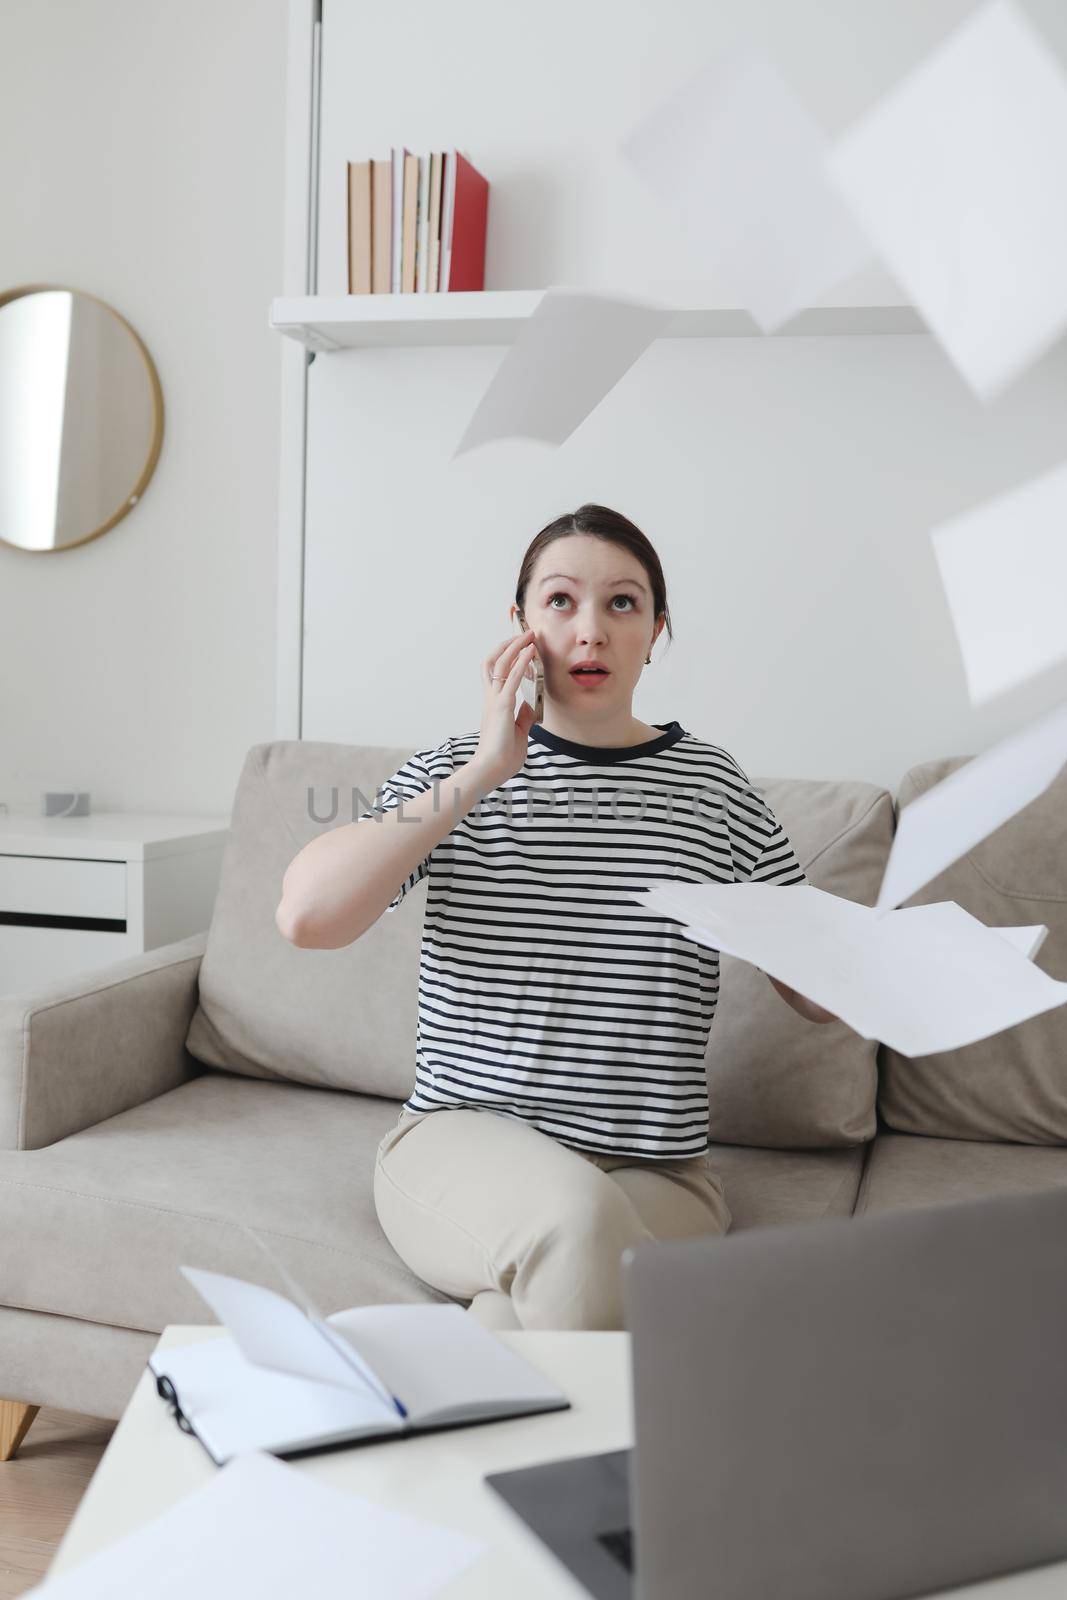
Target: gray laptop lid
(852, 1410)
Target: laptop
(863, 1409)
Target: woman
(560, 1113)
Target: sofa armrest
(78, 1051)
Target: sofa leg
(15, 1419)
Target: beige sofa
(149, 1109)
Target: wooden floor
(40, 1490)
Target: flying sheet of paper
(941, 825)
(567, 357)
(741, 163)
(1004, 568)
(1027, 941)
(270, 1530)
(957, 175)
(922, 979)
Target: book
(416, 224)
(381, 225)
(411, 205)
(422, 227)
(286, 1380)
(448, 202)
(463, 254)
(434, 271)
(396, 243)
(359, 228)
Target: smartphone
(533, 686)
(534, 676)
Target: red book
(463, 263)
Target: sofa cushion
(344, 1019)
(1014, 1085)
(97, 1225)
(775, 1079)
(908, 1170)
(767, 1187)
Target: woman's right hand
(503, 737)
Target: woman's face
(588, 599)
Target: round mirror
(81, 418)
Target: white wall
(141, 159)
(789, 484)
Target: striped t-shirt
(545, 992)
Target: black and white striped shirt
(545, 993)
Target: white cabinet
(81, 892)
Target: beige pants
(482, 1206)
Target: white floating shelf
(358, 321)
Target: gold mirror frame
(156, 443)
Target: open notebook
(285, 1379)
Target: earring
(648, 661)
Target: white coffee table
(150, 1463)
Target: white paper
(1004, 569)
(1026, 940)
(235, 1405)
(440, 1360)
(272, 1332)
(941, 825)
(568, 355)
(957, 174)
(266, 1529)
(921, 979)
(742, 164)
